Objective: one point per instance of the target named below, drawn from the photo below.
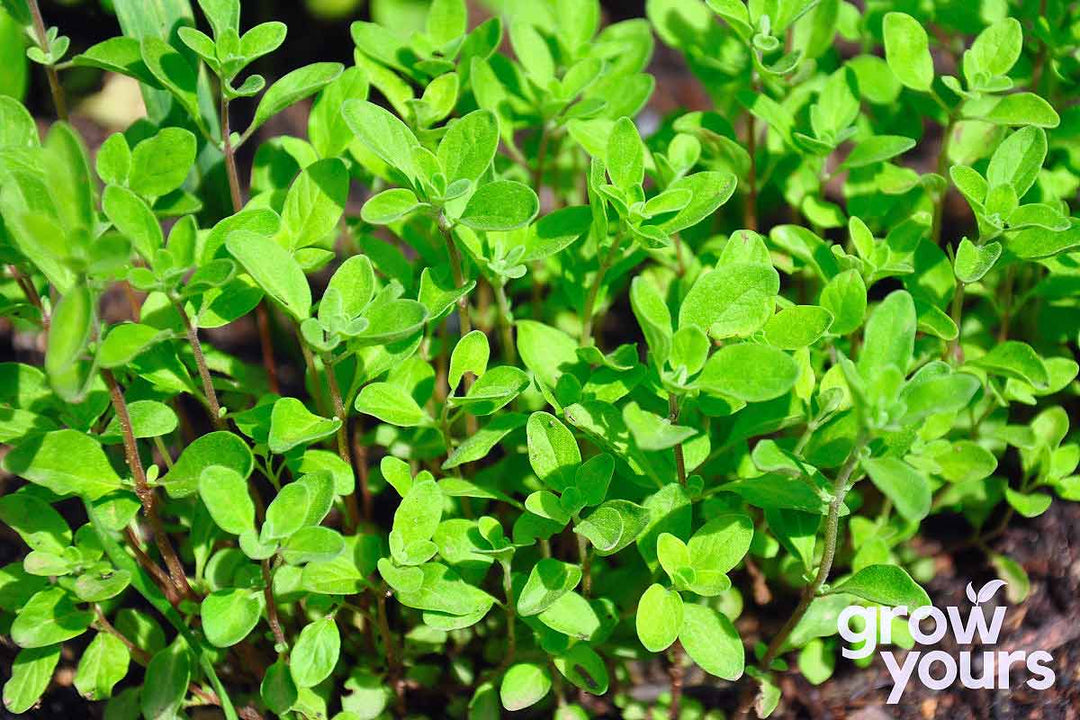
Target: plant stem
(32, 296)
(271, 607)
(511, 617)
(750, 219)
(204, 370)
(680, 458)
(143, 489)
(586, 564)
(230, 156)
(392, 660)
(832, 523)
(344, 449)
(262, 314)
(541, 160)
(675, 672)
(1007, 304)
(459, 275)
(506, 325)
(942, 163)
(43, 43)
(953, 349)
(594, 291)
(159, 575)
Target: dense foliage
(563, 384)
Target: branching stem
(594, 290)
(143, 490)
(271, 607)
(50, 70)
(204, 370)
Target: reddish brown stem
(43, 43)
(204, 370)
(143, 490)
(271, 607)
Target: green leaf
(292, 425)
(1018, 160)
(383, 133)
(889, 337)
(625, 158)
(709, 190)
(658, 618)
(732, 300)
(229, 616)
(160, 164)
(907, 50)
(126, 341)
(315, 653)
(113, 161)
(315, 203)
(549, 580)
(524, 685)
(995, 51)
(313, 544)
(1015, 359)
(447, 20)
(532, 52)
(499, 206)
(876, 149)
(49, 617)
(277, 689)
(274, 269)
(974, 261)
(39, 525)
(925, 396)
(653, 317)
(749, 372)
(69, 333)
(653, 432)
(478, 445)
(216, 448)
(223, 15)
(553, 451)
(471, 354)
(965, 461)
(1029, 505)
(418, 515)
(712, 642)
(67, 462)
(717, 547)
(584, 667)
(173, 71)
(1023, 109)
(329, 133)
(31, 672)
(104, 663)
(166, 682)
(613, 525)
(293, 87)
(390, 403)
(469, 146)
(908, 488)
(495, 388)
(885, 585)
(286, 513)
(797, 326)
(226, 496)
(389, 206)
(134, 219)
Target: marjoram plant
(569, 393)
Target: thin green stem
(680, 458)
(50, 70)
(511, 616)
(393, 661)
(344, 449)
(954, 350)
(506, 324)
(585, 556)
(942, 168)
(832, 523)
(594, 290)
(459, 276)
